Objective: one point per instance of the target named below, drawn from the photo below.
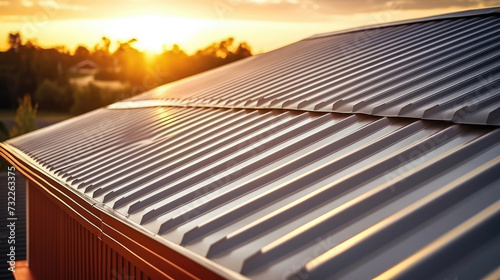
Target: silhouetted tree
(15, 41)
(54, 97)
(81, 53)
(101, 54)
(25, 117)
(130, 61)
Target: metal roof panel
(251, 167)
(427, 69)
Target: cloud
(52, 9)
(325, 10)
(256, 10)
(61, 6)
(27, 3)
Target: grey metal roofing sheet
(299, 193)
(284, 194)
(446, 69)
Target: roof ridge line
(455, 15)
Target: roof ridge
(460, 14)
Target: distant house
(85, 67)
(89, 69)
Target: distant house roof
(374, 152)
(86, 67)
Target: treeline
(45, 74)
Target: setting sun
(153, 32)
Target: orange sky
(264, 24)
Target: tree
(131, 61)
(29, 68)
(243, 51)
(103, 45)
(91, 97)
(15, 41)
(4, 132)
(54, 97)
(25, 117)
(101, 54)
(85, 99)
(81, 53)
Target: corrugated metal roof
(273, 194)
(442, 68)
(298, 193)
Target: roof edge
(461, 14)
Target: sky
(193, 24)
